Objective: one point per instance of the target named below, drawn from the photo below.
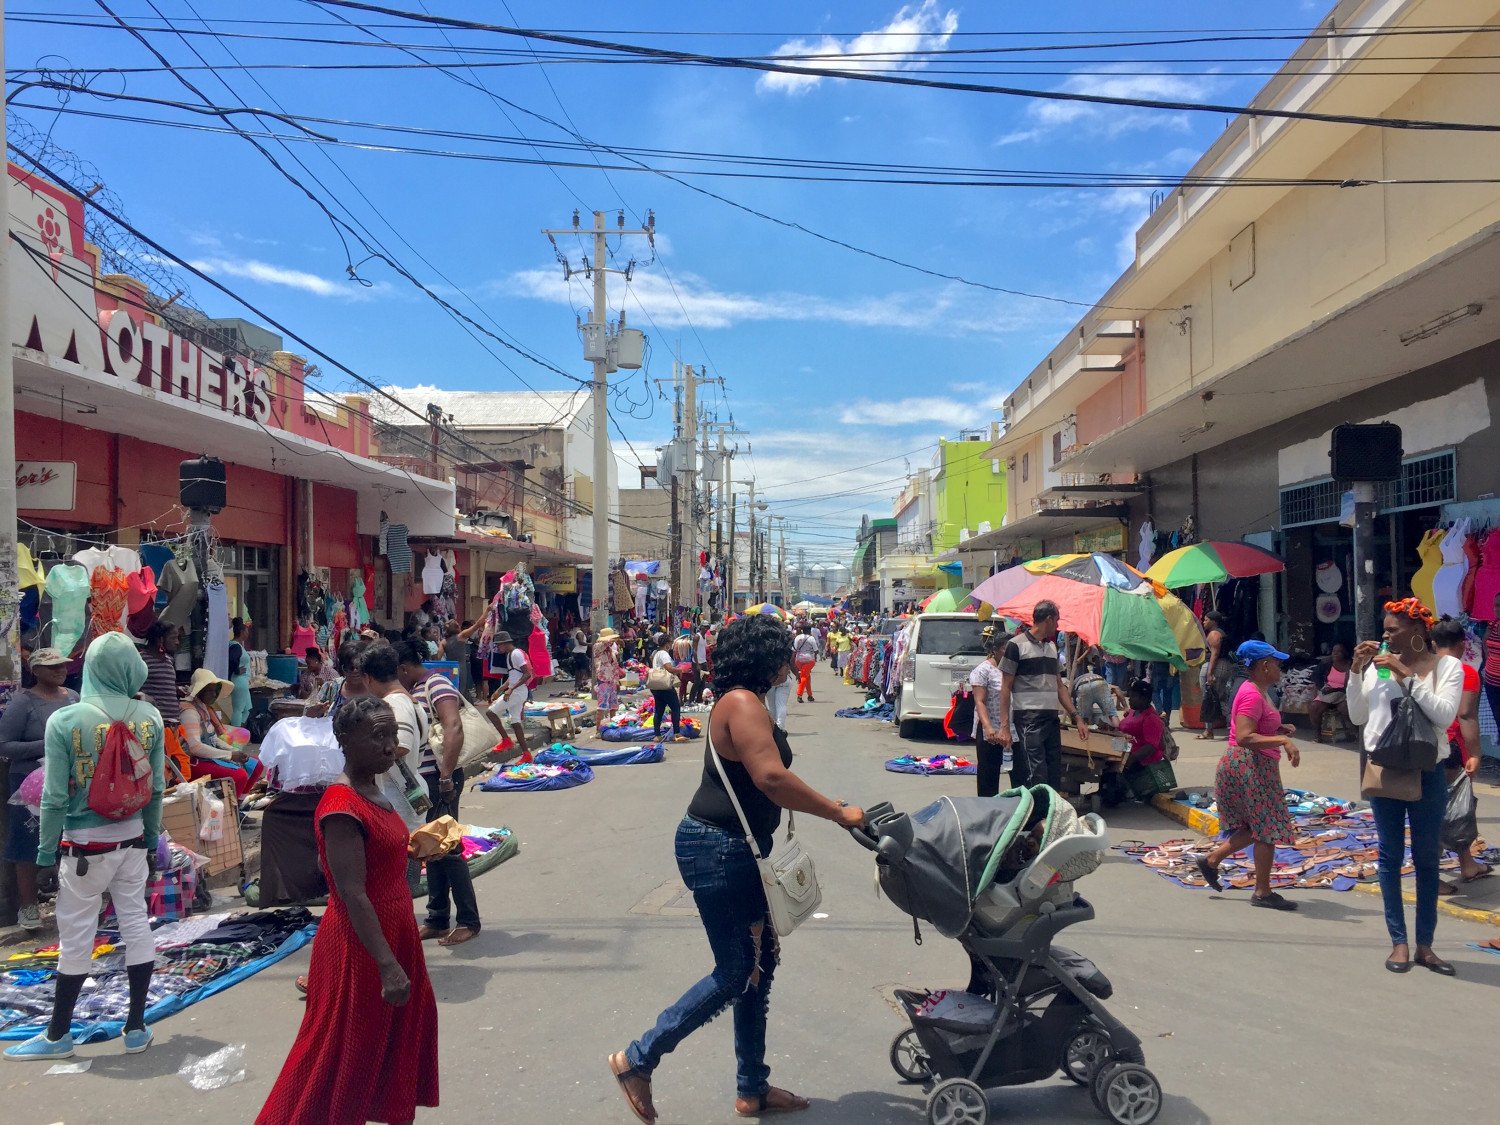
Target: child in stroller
(997, 874)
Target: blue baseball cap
(1251, 651)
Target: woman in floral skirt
(1247, 785)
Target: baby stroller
(997, 874)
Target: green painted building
(968, 490)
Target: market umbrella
(770, 609)
(1126, 623)
(946, 601)
(1212, 561)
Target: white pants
(776, 701)
(510, 710)
(123, 874)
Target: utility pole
(10, 578)
(602, 350)
(730, 568)
(751, 597)
(685, 593)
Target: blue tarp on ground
(101, 1030)
(520, 779)
(647, 733)
(560, 753)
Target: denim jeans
(1095, 696)
(1426, 817)
(720, 871)
(450, 874)
(667, 703)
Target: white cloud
(948, 310)
(1110, 121)
(942, 410)
(916, 27)
(267, 274)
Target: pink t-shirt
(1144, 729)
(1250, 700)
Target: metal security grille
(1310, 503)
(1425, 481)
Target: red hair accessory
(1414, 609)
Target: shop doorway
(252, 577)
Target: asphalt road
(1248, 1016)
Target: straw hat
(203, 678)
(607, 634)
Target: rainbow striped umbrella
(1212, 561)
(769, 609)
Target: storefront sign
(46, 485)
(558, 579)
(1100, 542)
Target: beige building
(1361, 283)
(645, 523)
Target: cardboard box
(180, 820)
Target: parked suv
(942, 649)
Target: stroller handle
(867, 835)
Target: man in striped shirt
(160, 654)
(1033, 689)
(449, 874)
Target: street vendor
(1146, 770)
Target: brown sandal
(451, 939)
(642, 1107)
(762, 1106)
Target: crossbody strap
(735, 801)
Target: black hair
(379, 662)
(156, 632)
(1044, 611)
(312, 651)
(1448, 633)
(1141, 688)
(349, 654)
(750, 652)
(411, 652)
(356, 712)
(1214, 617)
(235, 625)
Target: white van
(942, 649)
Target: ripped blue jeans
(720, 871)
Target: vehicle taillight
(908, 670)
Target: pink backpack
(121, 785)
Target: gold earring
(1419, 644)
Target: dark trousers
(1036, 758)
(1425, 818)
(666, 701)
(450, 874)
(991, 760)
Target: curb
(1207, 824)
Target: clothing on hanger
(397, 550)
(1447, 583)
(216, 642)
(432, 573)
(180, 583)
(1430, 551)
(116, 557)
(68, 587)
(109, 598)
(28, 570)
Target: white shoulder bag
(480, 737)
(789, 878)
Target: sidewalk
(1333, 771)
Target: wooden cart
(1085, 764)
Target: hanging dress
(109, 592)
(1486, 578)
(1447, 584)
(1472, 558)
(1431, 552)
(68, 587)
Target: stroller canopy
(954, 848)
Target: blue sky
(831, 360)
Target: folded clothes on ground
(882, 711)
(195, 958)
(530, 777)
(561, 752)
(939, 763)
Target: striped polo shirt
(429, 693)
(1034, 666)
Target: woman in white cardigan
(1436, 685)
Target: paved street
(1248, 1016)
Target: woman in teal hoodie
(99, 854)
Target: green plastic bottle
(1383, 673)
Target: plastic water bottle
(1383, 673)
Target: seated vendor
(1146, 770)
(314, 675)
(206, 739)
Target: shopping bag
(1460, 821)
(1381, 781)
(1408, 743)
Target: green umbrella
(952, 600)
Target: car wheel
(907, 728)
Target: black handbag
(1408, 743)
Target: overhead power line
(769, 67)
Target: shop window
(1425, 482)
(1025, 466)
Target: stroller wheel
(1127, 1093)
(908, 1059)
(1085, 1052)
(957, 1101)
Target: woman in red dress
(370, 1008)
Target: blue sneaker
(137, 1041)
(40, 1048)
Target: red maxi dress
(357, 1058)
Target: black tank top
(712, 806)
